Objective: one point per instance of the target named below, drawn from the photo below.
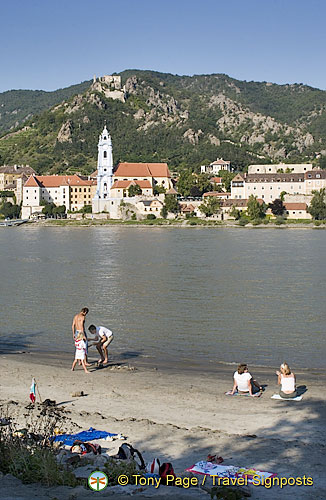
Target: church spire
(104, 165)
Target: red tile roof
(219, 195)
(142, 170)
(216, 180)
(219, 161)
(295, 206)
(50, 181)
(187, 208)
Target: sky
(53, 44)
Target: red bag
(166, 469)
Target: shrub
(266, 221)
(134, 216)
(256, 222)
(151, 217)
(243, 221)
(114, 469)
(32, 461)
(193, 223)
(279, 220)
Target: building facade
(72, 191)
(216, 166)
(269, 186)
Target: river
(179, 294)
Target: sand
(179, 415)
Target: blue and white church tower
(104, 172)
(104, 166)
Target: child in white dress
(80, 354)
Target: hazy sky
(51, 44)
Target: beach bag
(83, 448)
(128, 452)
(153, 467)
(166, 469)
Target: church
(113, 186)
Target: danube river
(177, 294)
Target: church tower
(104, 166)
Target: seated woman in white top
(286, 381)
(243, 381)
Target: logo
(98, 481)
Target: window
(80, 190)
(309, 176)
(317, 176)
(105, 154)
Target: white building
(269, 186)
(216, 166)
(298, 168)
(72, 191)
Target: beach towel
(277, 396)
(83, 436)
(229, 471)
(256, 395)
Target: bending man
(103, 338)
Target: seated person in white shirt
(243, 381)
(103, 337)
(287, 382)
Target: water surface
(203, 294)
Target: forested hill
(16, 106)
(186, 121)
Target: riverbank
(183, 415)
(186, 223)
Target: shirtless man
(78, 325)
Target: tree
(317, 207)
(185, 182)
(210, 206)
(134, 190)
(277, 207)
(164, 212)
(48, 209)
(217, 187)
(203, 183)
(10, 211)
(226, 178)
(255, 210)
(86, 209)
(171, 204)
(234, 212)
(61, 210)
(159, 190)
(190, 184)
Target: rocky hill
(186, 121)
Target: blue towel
(83, 436)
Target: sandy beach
(179, 416)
